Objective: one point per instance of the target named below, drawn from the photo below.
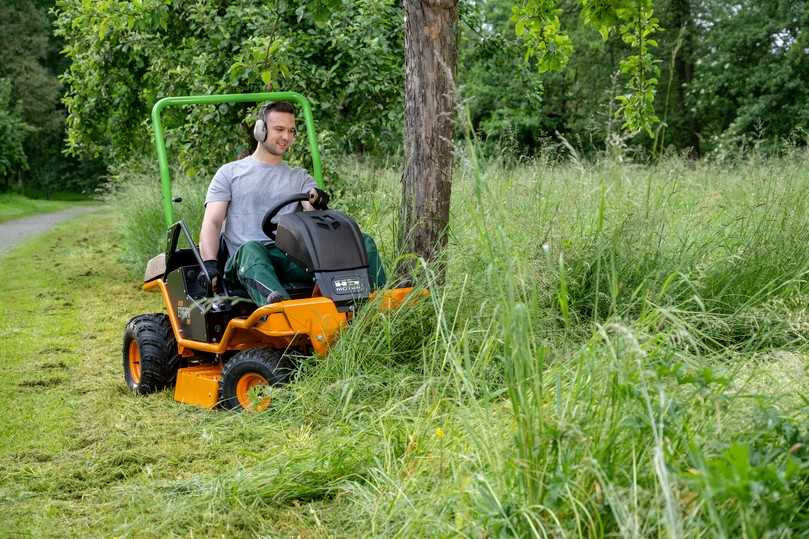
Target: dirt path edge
(12, 233)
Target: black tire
(151, 337)
(249, 367)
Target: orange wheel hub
(244, 386)
(134, 361)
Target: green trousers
(262, 270)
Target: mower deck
(279, 325)
(198, 385)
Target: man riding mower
(242, 302)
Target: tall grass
(613, 352)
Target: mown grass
(13, 206)
(616, 351)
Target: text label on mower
(347, 286)
(183, 312)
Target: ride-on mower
(220, 349)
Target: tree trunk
(684, 67)
(430, 58)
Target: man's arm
(309, 186)
(215, 213)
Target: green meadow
(613, 350)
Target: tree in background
(33, 92)
(539, 24)
(519, 108)
(502, 95)
(725, 72)
(430, 58)
(126, 55)
(12, 135)
(680, 125)
(30, 62)
(749, 80)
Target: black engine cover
(325, 240)
(328, 244)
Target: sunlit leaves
(537, 23)
(262, 55)
(346, 56)
(603, 15)
(319, 10)
(637, 106)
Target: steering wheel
(267, 225)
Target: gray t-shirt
(252, 188)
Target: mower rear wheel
(247, 377)
(150, 354)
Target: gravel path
(19, 230)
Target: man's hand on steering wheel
(318, 198)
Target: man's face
(280, 132)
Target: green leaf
(266, 76)
(102, 28)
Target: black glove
(319, 199)
(212, 266)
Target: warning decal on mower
(183, 312)
(347, 286)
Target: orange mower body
(299, 323)
(213, 345)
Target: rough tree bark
(430, 59)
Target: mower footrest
(198, 385)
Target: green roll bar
(160, 143)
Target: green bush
(12, 134)
(126, 56)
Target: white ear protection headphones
(260, 129)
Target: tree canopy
(126, 55)
(689, 75)
(751, 72)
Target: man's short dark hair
(279, 106)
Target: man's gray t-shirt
(252, 188)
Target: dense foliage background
(728, 76)
(32, 118)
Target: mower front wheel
(150, 354)
(248, 376)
